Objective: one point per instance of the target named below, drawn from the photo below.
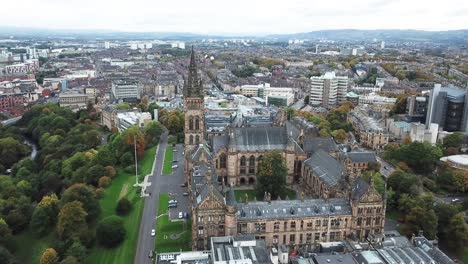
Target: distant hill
(460, 36)
(391, 34)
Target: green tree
(71, 220)
(445, 213)
(271, 176)
(50, 256)
(400, 105)
(453, 140)
(421, 219)
(105, 157)
(5, 256)
(45, 215)
(92, 138)
(5, 234)
(340, 135)
(124, 206)
(11, 151)
(110, 231)
(77, 250)
(153, 131)
(458, 230)
(85, 195)
(402, 182)
(419, 156)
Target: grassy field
(166, 228)
(240, 194)
(168, 156)
(163, 203)
(122, 186)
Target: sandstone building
(343, 207)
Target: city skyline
(240, 18)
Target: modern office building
(447, 107)
(126, 91)
(328, 90)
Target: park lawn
(165, 228)
(122, 186)
(168, 157)
(30, 248)
(163, 203)
(251, 194)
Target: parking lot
(171, 184)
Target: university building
(342, 207)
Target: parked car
(175, 166)
(181, 215)
(172, 205)
(183, 184)
(173, 201)
(175, 161)
(185, 193)
(186, 215)
(153, 232)
(455, 200)
(150, 254)
(174, 150)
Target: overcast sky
(235, 16)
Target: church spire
(193, 84)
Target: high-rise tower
(193, 107)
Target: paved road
(150, 209)
(170, 184)
(385, 168)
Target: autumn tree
(45, 215)
(271, 176)
(340, 135)
(49, 256)
(85, 195)
(71, 220)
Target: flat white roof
(458, 159)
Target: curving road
(150, 209)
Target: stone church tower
(193, 108)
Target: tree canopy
(271, 176)
(110, 231)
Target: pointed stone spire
(193, 84)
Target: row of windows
(370, 210)
(368, 221)
(197, 140)
(211, 218)
(293, 225)
(197, 123)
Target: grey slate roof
(198, 151)
(259, 138)
(360, 188)
(292, 208)
(219, 141)
(361, 156)
(311, 145)
(328, 169)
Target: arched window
(191, 123)
(197, 139)
(191, 139)
(242, 165)
(197, 124)
(259, 160)
(252, 164)
(222, 161)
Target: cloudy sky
(235, 16)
